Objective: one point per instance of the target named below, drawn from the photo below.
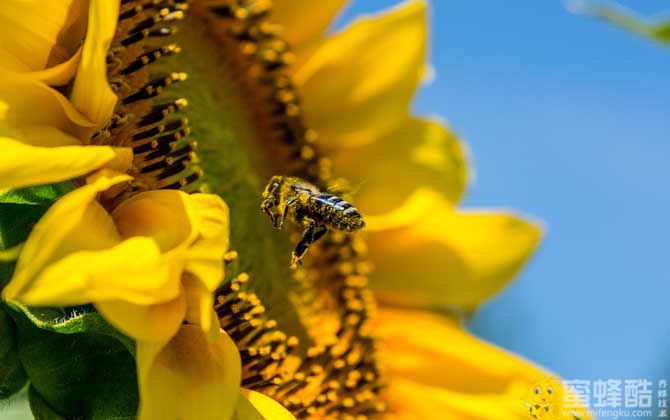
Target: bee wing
(342, 187)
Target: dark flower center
(222, 79)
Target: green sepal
(82, 319)
(41, 195)
(12, 375)
(75, 374)
(20, 210)
(40, 408)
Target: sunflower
(165, 121)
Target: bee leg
(319, 231)
(312, 233)
(288, 204)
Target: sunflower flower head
(167, 120)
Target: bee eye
(538, 390)
(550, 390)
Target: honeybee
(316, 211)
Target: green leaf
(42, 195)
(81, 319)
(16, 222)
(20, 210)
(75, 374)
(12, 375)
(40, 408)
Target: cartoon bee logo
(314, 210)
(544, 398)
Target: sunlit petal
(25, 165)
(199, 303)
(36, 35)
(27, 103)
(419, 153)
(305, 21)
(358, 86)
(91, 93)
(189, 378)
(167, 216)
(131, 271)
(454, 257)
(205, 256)
(66, 228)
(437, 370)
(60, 74)
(254, 405)
(74, 255)
(155, 323)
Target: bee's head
(270, 202)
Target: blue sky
(567, 120)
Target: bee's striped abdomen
(337, 212)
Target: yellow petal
(409, 399)
(167, 216)
(358, 86)
(455, 258)
(36, 35)
(437, 370)
(420, 153)
(28, 103)
(303, 21)
(74, 255)
(131, 271)
(199, 304)
(157, 323)
(205, 256)
(68, 223)
(91, 93)
(24, 165)
(189, 378)
(60, 74)
(256, 406)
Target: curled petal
(60, 74)
(91, 93)
(24, 165)
(253, 405)
(156, 323)
(205, 256)
(419, 153)
(74, 255)
(167, 216)
(358, 85)
(199, 303)
(28, 103)
(131, 271)
(437, 370)
(455, 258)
(38, 36)
(68, 222)
(191, 377)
